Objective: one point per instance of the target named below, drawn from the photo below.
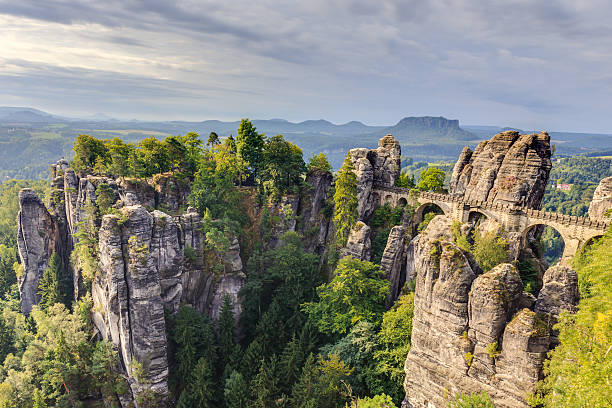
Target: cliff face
(148, 260)
(142, 266)
(508, 169)
(473, 331)
(381, 166)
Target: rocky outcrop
(509, 169)
(36, 240)
(393, 261)
(380, 166)
(601, 203)
(358, 244)
(474, 331)
(316, 211)
(170, 192)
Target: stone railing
(503, 207)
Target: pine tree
(236, 391)
(304, 392)
(227, 335)
(291, 361)
(345, 200)
(250, 146)
(202, 386)
(251, 359)
(264, 386)
(48, 286)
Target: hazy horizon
(524, 64)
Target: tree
(432, 179)
(236, 391)
(54, 286)
(345, 200)
(489, 249)
(357, 292)
(305, 392)
(319, 162)
(194, 339)
(119, 153)
(405, 180)
(201, 385)
(88, 151)
(227, 335)
(264, 386)
(250, 146)
(154, 156)
(213, 140)
(105, 197)
(282, 165)
(176, 151)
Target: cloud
(342, 60)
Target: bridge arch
(553, 249)
(402, 202)
(430, 206)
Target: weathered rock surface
(393, 261)
(473, 331)
(36, 240)
(358, 244)
(379, 166)
(314, 222)
(129, 292)
(510, 169)
(602, 200)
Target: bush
(481, 400)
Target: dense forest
(314, 331)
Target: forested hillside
(300, 323)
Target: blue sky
(530, 64)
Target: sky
(532, 64)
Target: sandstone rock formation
(509, 169)
(36, 240)
(393, 261)
(358, 244)
(380, 166)
(602, 200)
(474, 331)
(314, 223)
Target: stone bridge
(575, 231)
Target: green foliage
(489, 249)
(579, 369)
(264, 386)
(250, 147)
(236, 391)
(426, 220)
(394, 338)
(432, 179)
(378, 401)
(319, 162)
(85, 252)
(405, 180)
(481, 400)
(357, 292)
(282, 166)
(345, 200)
(89, 152)
(284, 278)
(193, 339)
(55, 286)
(492, 350)
(105, 197)
(226, 331)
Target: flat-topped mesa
(509, 169)
(380, 166)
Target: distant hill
(31, 139)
